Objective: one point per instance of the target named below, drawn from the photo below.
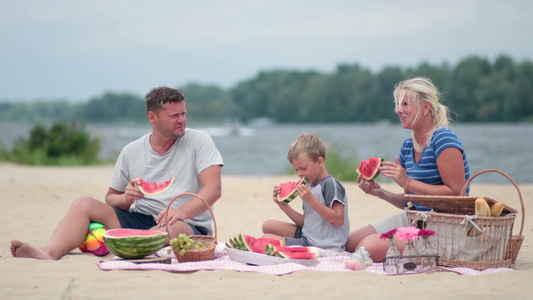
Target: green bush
(63, 144)
(3, 152)
(342, 166)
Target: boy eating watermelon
(324, 222)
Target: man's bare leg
(70, 231)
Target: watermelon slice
(291, 251)
(271, 247)
(287, 191)
(261, 244)
(247, 241)
(297, 255)
(369, 168)
(154, 188)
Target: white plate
(259, 259)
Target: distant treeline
(476, 90)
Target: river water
(262, 150)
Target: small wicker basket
(209, 242)
(448, 219)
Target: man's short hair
(157, 97)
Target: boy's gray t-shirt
(187, 157)
(316, 229)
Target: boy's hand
(304, 192)
(275, 193)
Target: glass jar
(428, 251)
(392, 263)
(410, 258)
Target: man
(170, 150)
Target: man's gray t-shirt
(316, 229)
(185, 159)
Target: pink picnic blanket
(223, 262)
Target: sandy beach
(35, 198)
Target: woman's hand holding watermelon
(370, 187)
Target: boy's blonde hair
(309, 144)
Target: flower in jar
(407, 233)
(388, 235)
(425, 233)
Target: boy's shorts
(390, 223)
(137, 220)
(298, 239)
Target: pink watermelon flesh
(259, 245)
(127, 232)
(294, 249)
(297, 255)
(287, 191)
(248, 241)
(369, 168)
(154, 188)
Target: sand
(35, 198)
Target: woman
(431, 162)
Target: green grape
(183, 242)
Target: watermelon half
(369, 168)
(134, 243)
(154, 188)
(287, 191)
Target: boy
(324, 222)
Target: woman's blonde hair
(420, 90)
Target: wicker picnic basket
(209, 242)
(451, 218)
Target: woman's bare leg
(378, 247)
(355, 237)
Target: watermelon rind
(247, 242)
(292, 195)
(134, 243)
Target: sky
(77, 50)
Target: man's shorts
(137, 220)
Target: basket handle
(463, 191)
(206, 204)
